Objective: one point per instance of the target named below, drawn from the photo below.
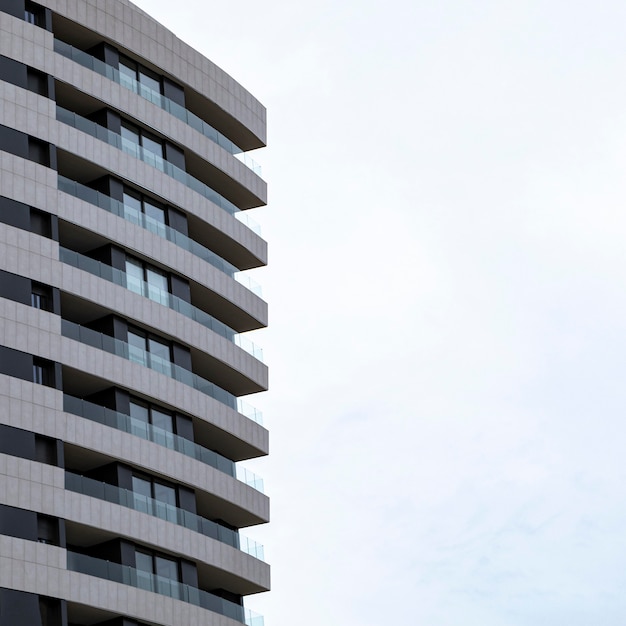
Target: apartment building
(125, 236)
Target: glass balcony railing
(162, 510)
(158, 364)
(102, 270)
(118, 208)
(127, 146)
(147, 581)
(175, 109)
(128, 424)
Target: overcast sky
(447, 336)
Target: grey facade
(124, 302)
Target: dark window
(50, 609)
(37, 82)
(45, 450)
(47, 529)
(41, 297)
(34, 14)
(39, 151)
(40, 223)
(18, 607)
(43, 372)
(38, 373)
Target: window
(157, 573)
(148, 351)
(152, 423)
(41, 297)
(43, 372)
(155, 498)
(40, 223)
(37, 82)
(39, 151)
(50, 609)
(143, 145)
(145, 212)
(45, 450)
(47, 529)
(34, 14)
(147, 280)
(140, 80)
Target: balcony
(139, 579)
(160, 365)
(118, 208)
(113, 139)
(167, 439)
(178, 111)
(155, 508)
(118, 277)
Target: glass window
(142, 493)
(132, 208)
(144, 212)
(134, 276)
(159, 356)
(154, 498)
(41, 297)
(152, 144)
(139, 420)
(33, 14)
(43, 372)
(38, 374)
(128, 74)
(140, 79)
(165, 497)
(149, 351)
(137, 348)
(155, 218)
(142, 414)
(143, 561)
(157, 285)
(130, 140)
(147, 281)
(149, 79)
(142, 487)
(165, 493)
(159, 348)
(167, 568)
(145, 567)
(162, 420)
(139, 412)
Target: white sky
(448, 313)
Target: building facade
(124, 302)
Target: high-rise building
(124, 303)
